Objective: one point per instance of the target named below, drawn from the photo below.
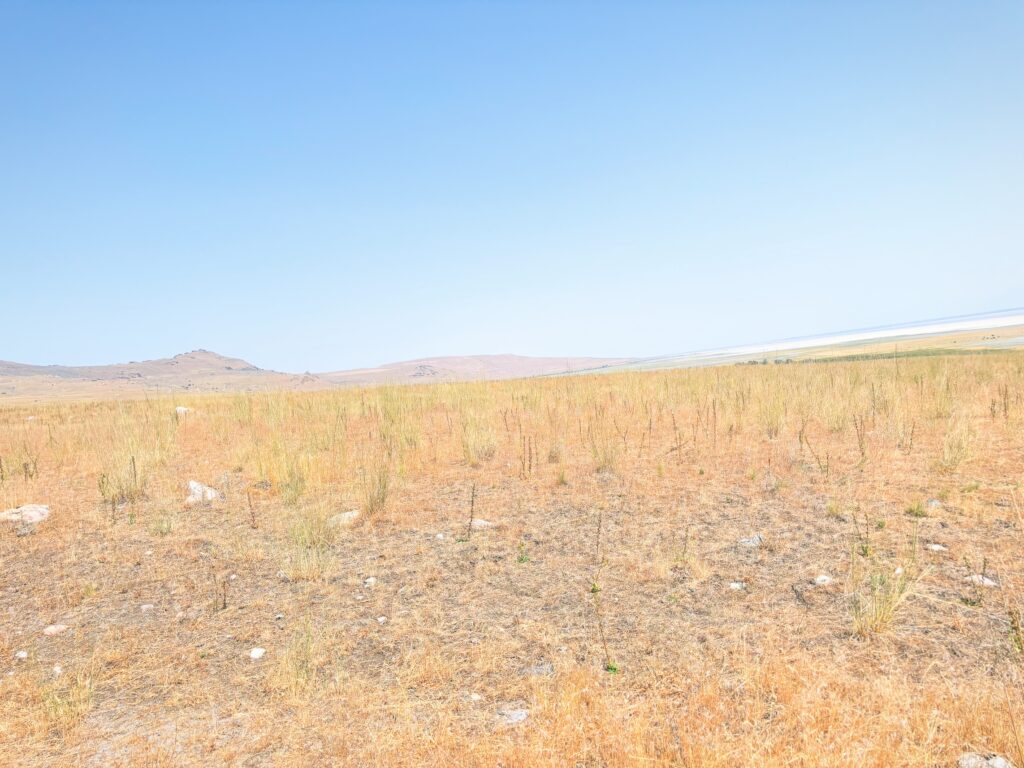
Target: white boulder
(27, 514)
(201, 494)
(974, 760)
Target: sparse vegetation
(701, 564)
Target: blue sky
(329, 185)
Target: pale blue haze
(316, 186)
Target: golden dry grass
(601, 599)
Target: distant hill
(204, 371)
(470, 367)
(197, 371)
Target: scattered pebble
(54, 629)
(279, 617)
(382, 619)
(974, 760)
(754, 541)
(736, 586)
(475, 697)
(58, 670)
(147, 607)
(201, 494)
(439, 536)
(512, 715)
(982, 580)
(938, 548)
(823, 580)
(21, 655)
(257, 653)
(369, 581)
(232, 577)
(482, 523)
(899, 570)
(934, 504)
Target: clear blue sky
(316, 186)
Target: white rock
(512, 715)
(58, 670)
(981, 580)
(439, 536)
(27, 514)
(54, 629)
(754, 541)
(934, 503)
(482, 523)
(737, 585)
(382, 619)
(201, 494)
(974, 760)
(344, 519)
(899, 570)
(475, 697)
(937, 548)
(544, 669)
(146, 608)
(181, 410)
(21, 655)
(823, 580)
(369, 581)
(257, 653)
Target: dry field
(646, 592)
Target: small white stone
(511, 715)
(823, 580)
(737, 585)
(382, 619)
(233, 576)
(981, 580)
(58, 670)
(257, 653)
(475, 697)
(149, 551)
(21, 655)
(439, 536)
(937, 548)
(54, 629)
(899, 570)
(146, 608)
(753, 541)
(482, 523)
(369, 581)
(344, 519)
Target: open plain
(805, 564)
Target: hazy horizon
(331, 187)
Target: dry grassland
(645, 593)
